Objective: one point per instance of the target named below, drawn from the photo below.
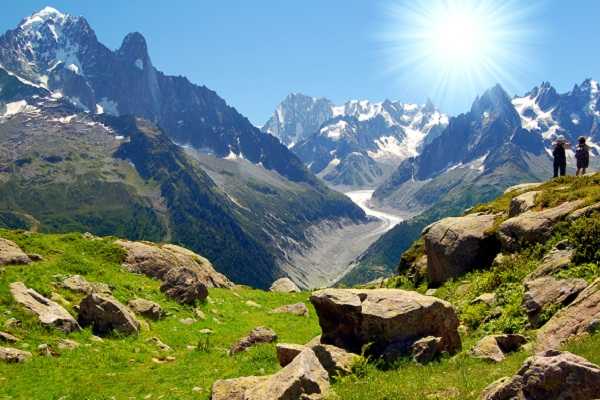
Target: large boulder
(578, 318)
(184, 285)
(48, 312)
(78, 283)
(495, 347)
(286, 352)
(146, 308)
(303, 378)
(104, 314)
(336, 361)
(284, 285)
(11, 355)
(521, 203)
(10, 253)
(258, 335)
(157, 260)
(533, 226)
(546, 292)
(549, 375)
(457, 245)
(352, 318)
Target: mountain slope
(357, 144)
(61, 53)
(65, 82)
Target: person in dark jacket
(560, 156)
(582, 155)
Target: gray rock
(521, 203)
(457, 245)
(146, 308)
(556, 260)
(495, 347)
(299, 309)
(426, 349)
(549, 375)
(533, 226)
(79, 284)
(258, 335)
(184, 285)
(352, 318)
(157, 260)
(284, 285)
(584, 212)
(11, 355)
(104, 314)
(48, 312)
(488, 299)
(573, 320)
(7, 337)
(336, 361)
(10, 253)
(545, 292)
(523, 186)
(286, 352)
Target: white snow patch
(335, 131)
(109, 107)
(140, 64)
(64, 120)
(119, 137)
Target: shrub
(585, 236)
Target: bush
(585, 236)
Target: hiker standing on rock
(582, 155)
(560, 156)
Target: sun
(457, 46)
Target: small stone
(95, 338)
(299, 309)
(257, 336)
(7, 337)
(251, 303)
(206, 331)
(11, 355)
(146, 308)
(486, 298)
(67, 344)
(44, 350)
(199, 314)
(188, 321)
(159, 343)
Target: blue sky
(253, 53)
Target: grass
(125, 367)
(122, 366)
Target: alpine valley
(98, 140)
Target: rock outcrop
(257, 336)
(578, 318)
(545, 292)
(457, 245)
(495, 347)
(523, 186)
(303, 378)
(352, 318)
(584, 212)
(426, 349)
(104, 314)
(284, 285)
(146, 308)
(533, 226)
(157, 260)
(11, 355)
(78, 283)
(299, 309)
(336, 361)
(48, 312)
(558, 258)
(286, 352)
(549, 375)
(521, 203)
(10, 253)
(184, 285)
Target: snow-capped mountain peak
(43, 16)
